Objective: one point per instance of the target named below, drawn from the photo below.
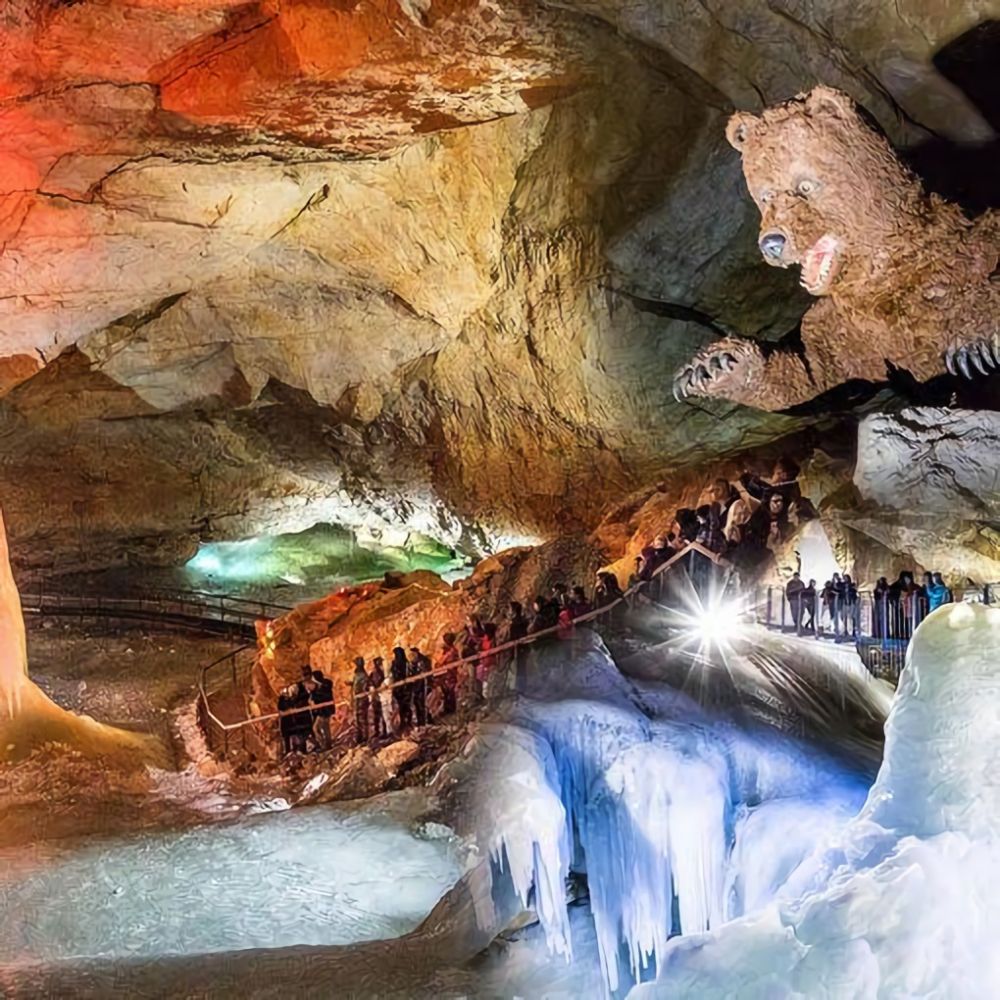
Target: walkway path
(188, 609)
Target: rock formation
(465, 245)
(905, 280)
(28, 719)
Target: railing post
(769, 589)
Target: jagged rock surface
(479, 237)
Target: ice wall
(504, 792)
(907, 903)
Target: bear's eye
(766, 195)
(806, 187)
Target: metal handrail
(159, 606)
(227, 727)
(874, 622)
(204, 597)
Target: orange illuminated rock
(29, 719)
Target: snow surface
(903, 903)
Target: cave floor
(133, 679)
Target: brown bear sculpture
(903, 279)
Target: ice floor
(322, 875)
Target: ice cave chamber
(499, 500)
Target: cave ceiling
(428, 261)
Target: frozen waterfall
(679, 820)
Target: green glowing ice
(322, 558)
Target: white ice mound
(910, 903)
(942, 738)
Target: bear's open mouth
(820, 265)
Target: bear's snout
(772, 246)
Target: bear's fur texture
(904, 279)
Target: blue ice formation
(680, 821)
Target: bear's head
(832, 195)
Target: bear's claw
(712, 365)
(983, 355)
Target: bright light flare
(719, 624)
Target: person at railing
(517, 624)
(360, 687)
(516, 628)
(559, 596)
(375, 681)
(807, 602)
(827, 602)
(449, 678)
(470, 640)
(653, 557)
(544, 615)
(710, 533)
(937, 591)
(880, 609)
(852, 620)
(793, 594)
(722, 494)
(608, 589)
(486, 664)
(783, 481)
(386, 714)
(903, 596)
(296, 727)
(416, 666)
(838, 597)
(565, 624)
(578, 603)
(399, 670)
(321, 695)
(684, 528)
(633, 581)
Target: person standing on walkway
(386, 706)
(359, 688)
(321, 696)
(937, 592)
(880, 609)
(486, 664)
(852, 616)
(399, 670)
(793, 592)
(807, 600)
(418, 688)
(375, 680)
(449, 677)
(515, 629)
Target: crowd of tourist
(896, 608)
(742, 521)
(390, 703)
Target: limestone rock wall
(476, 239)
(929, 483)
